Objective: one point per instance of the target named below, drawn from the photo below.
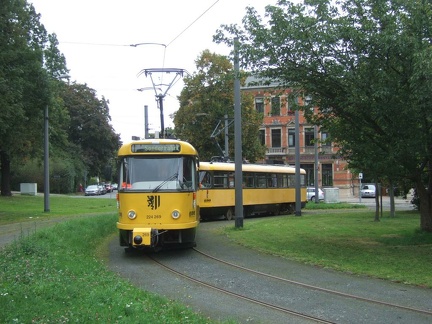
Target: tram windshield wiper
(173, 177)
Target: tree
(367, 66)
(91, 137)
(24, 84)
(208, 95)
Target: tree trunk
(377, 204)
(5, 174)
(392, 200)
(425, 197)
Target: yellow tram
(157, 194)
(267, 189)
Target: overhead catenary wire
(150, 43)
(190, 25)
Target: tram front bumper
(142, 236)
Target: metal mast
(161, 89)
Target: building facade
(278, 134)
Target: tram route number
(154, 216)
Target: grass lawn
(347, 240)
(18, 208)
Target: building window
(275, 106)
(291, 137)
(325, 138)
(309, 137)
(276, 138)
(259, 105)
(262, 136)
(327, 175)
(309, 168)
(292, 104)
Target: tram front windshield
(158, 173)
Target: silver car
(92, 190)
(311, 193)
(368, 191)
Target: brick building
(278, 134)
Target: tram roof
(226, 166)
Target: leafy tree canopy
(89, 128)
(32, 70)
(367, 66)
(208, 95)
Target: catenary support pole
(238, 159)
(46, 163)
(146, 124)
(297, 165)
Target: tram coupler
(144, 236)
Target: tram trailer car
(267, 189)
(157, 194)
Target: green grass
(19, 208)
(342, 205)
(54, 276)
(58, 274)
(349, 241)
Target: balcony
(276, 151)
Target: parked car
(108, 187)
(92, 190)
(102, 189)
(368, 191)
(311, 193)
(114, 186)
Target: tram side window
(279, 180)
(205, 179)
(261, 181)
(248, 180)
(291, 180)
(271, 180)
(188, 172)
(220, 180)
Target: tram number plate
(154, 216)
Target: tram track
(240, 296)
(321, 289)
(308, 302)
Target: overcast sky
(95, 35)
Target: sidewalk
(400, 203)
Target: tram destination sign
(156, 148)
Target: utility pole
(159, 93)
(46, 163)
(297, 165)
(238, 159)
(146, 123)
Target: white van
(368, 191)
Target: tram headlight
(175, 214)
(132, 214)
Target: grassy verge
(342, 205)
(53, 276)
(350, 241)
(19, 208)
